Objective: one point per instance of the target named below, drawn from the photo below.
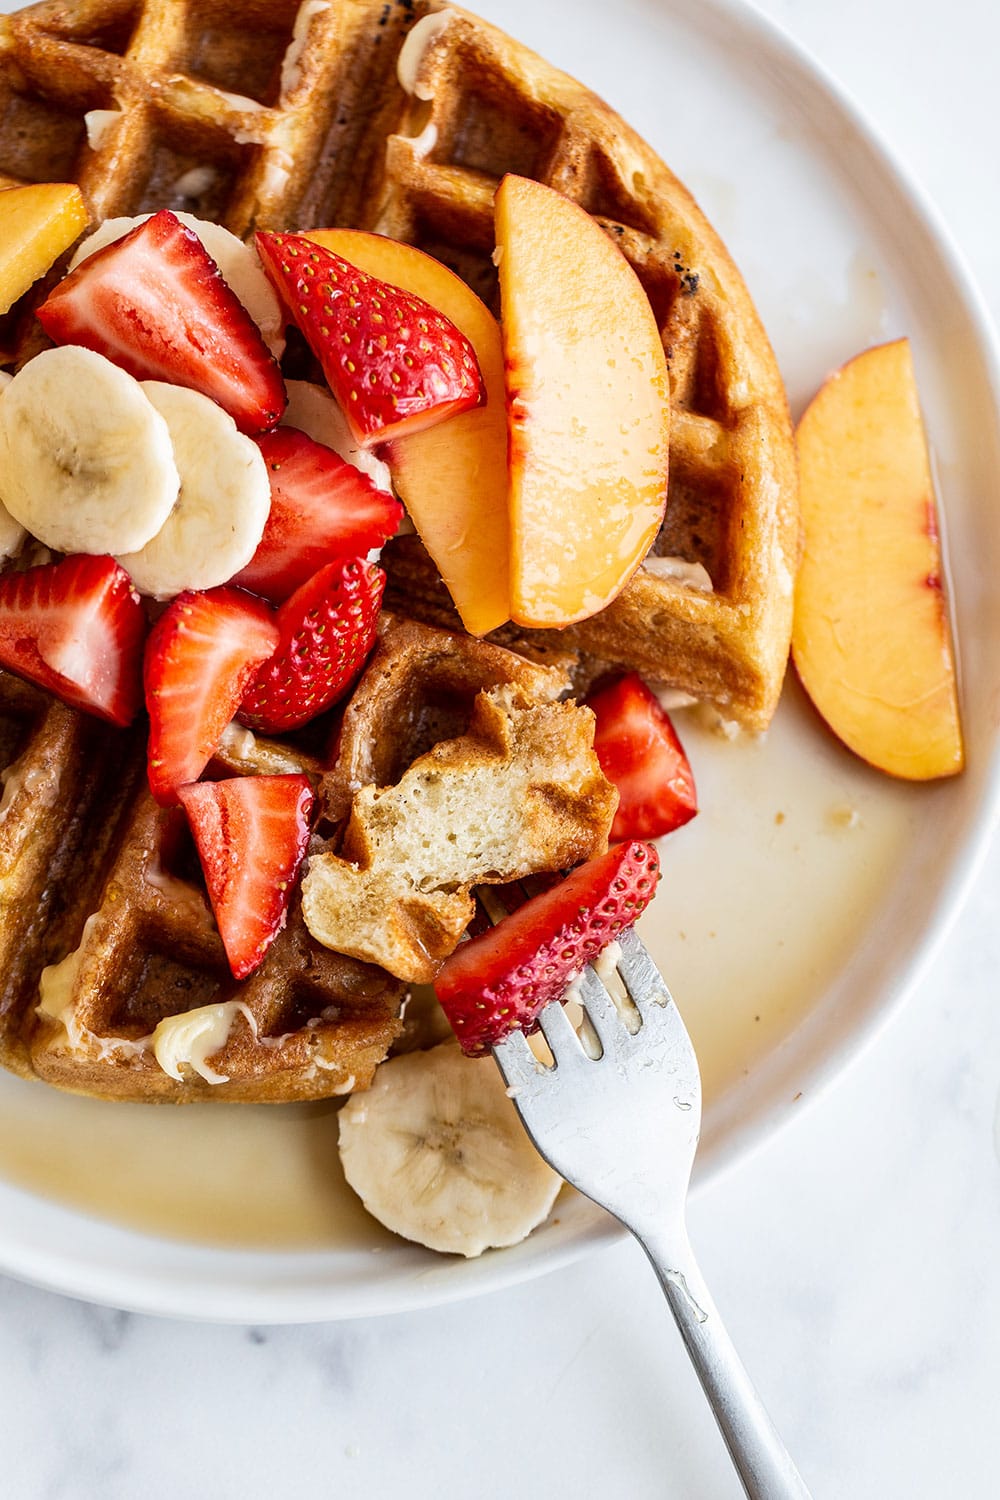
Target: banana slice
(12, 533)
(437, 1154)
(86, 463)
(225, 496)
(240, 266)
(313, 411)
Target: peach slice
(587, 403)
(452, 478)
(37, 223)
(871, 638)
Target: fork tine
(642, 978)
(606, 1019)
(516, 1061)
(557, 1029)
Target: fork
(622, 1127)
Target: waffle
(106, 933)
(137, 101)
(279, 114)
(106, 924)
(497, 780)
(709, 612)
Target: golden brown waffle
(482, 106)
(131, 942)
(65, 778)
(459, 767)
(108, 947)
(277, 114)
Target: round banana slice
(436, 1152)
(86, 462)
(313, 411)
(239, 263)
(218, 520)
(12, 533)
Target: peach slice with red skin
(871, 639)
(588, 405)
(452, 478)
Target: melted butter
(190, 1039)
(763, 896)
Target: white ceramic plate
(796, 908)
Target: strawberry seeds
(283, 639)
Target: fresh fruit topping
(393, 362)
(313, 411)
(453, 479)
(86, 462)
(498, 981)
(12, 533)
(871, 638)
(640, 753)
(77, 628)
(251, 834)
(321, 508)
(588, 404)
(201, 654)
(37, 223)
(215, 526)
(435, 1151)
(325, 631)
(239, 265)
(156, 304)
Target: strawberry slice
(327, 628)
(156, 304)
(321, 508)
(76, 627)
(394, 363)
(640, 753)
(251, 834)
(499, 981)
(201, 653)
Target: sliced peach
(452, 478)
(587, 403)
(37, 223)
(871, 638)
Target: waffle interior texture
(274, 113)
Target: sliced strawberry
(394, 363)
(76, 627)
(251, 835)
(499, 981)
(321, 508)
(155, 303)
(640, 753)
(201, 653)
(327, 628)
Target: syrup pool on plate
(761, 897)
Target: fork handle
(758, 1454)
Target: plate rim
(215, 1297)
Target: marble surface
(854, 1256)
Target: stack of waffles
(398, 116)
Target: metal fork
(623, 1128)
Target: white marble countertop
(854, 1256)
